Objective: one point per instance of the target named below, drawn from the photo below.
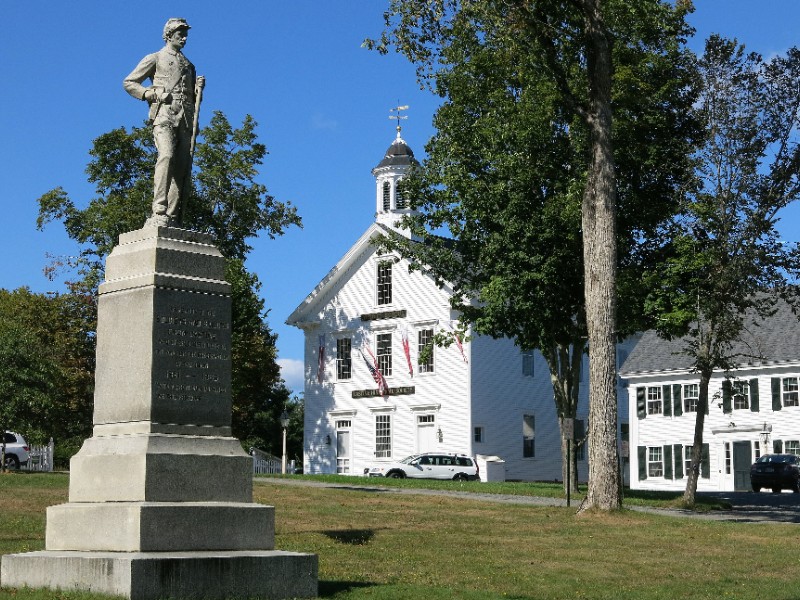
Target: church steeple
(390, 205)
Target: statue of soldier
(172, 97)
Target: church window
(385, 282)
(399, 197)
(425, 350)
(387, 198)
(527, 363)
(344, 364)
(528, 435)
(383, 436)
(384, 355)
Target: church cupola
(390, 205)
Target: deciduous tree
(724, 265)
(527, 175)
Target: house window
(792, 447)
(384, 355)
(384, 282)
(399, 199)
(655, 461)
(691, 394)
(387, 196)
(790, 392)
(527, 363)
(478, 435)
(741, 395)
(528, 434)
(727, 458)
(757, 449)
(383, 436)
(654, 404)
(344, 363)
(425, 350)
(687, 460)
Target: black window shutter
(642, 452)
(754, 395)
(676, 401)
(641, 402)
(667, 400)
(726, 396)
(678, 452)
(705, 463)
(777, 446)
(776, 393)
(667, 462)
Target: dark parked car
(777, 472)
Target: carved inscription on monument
(192, 354)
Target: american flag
(321, 359)
(383, 388)
(458, 343)
(407, 352)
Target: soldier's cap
(173, 25)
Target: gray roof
(773, 341)
(398, 154)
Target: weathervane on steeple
(398, 116)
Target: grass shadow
(353, 537)
(328, 589)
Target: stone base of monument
(155, 575)
(160, 497)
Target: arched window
(387, 203)
(399, 199)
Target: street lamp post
(284, 425)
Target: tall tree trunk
(600, 264)
(564, 363)
(690, 495)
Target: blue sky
(321, 100)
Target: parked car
(777, 472)
(429, 465)
(17, 450)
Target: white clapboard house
(369, 399)
(753, 410)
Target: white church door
(426, 433)
(343, 446)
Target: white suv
(430, 465)
(17, 450)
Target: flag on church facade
(375, 371)
(321, 359)
(459, 343)
(407, 352)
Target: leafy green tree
(46, 367)
(227, 202)
(524, 168)
(724, 265)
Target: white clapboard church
(369, 399)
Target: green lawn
(390, 546)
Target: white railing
(41, 458)
(265, 463)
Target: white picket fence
(265, 463)
(41, 458)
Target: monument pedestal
(160, 497)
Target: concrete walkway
(747, 506)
